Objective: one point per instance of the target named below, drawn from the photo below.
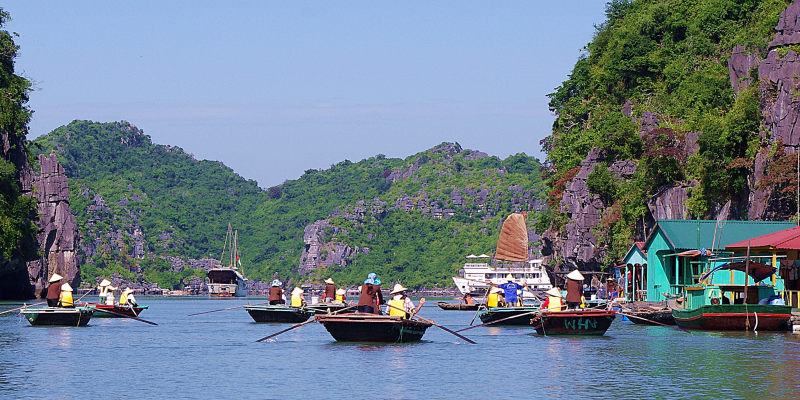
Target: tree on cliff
(17, 212)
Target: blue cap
(376, 281)
(369, 281)
(275, 283)
(371, 275)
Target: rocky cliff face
(58, 235)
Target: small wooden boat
(522, 315)
(361, 327)
(58, 316)
(573, 322)
(649, 313)
(278, 313)
(118, 311)
(735, 317)
(458, 306)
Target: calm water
(215, 356)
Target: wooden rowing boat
(735, 317)
(458, 306)
(524, 315)
(278, 313)
(119, 311)
(58, 316)
(334, 306)
(573, 322)
(649, 313)
(360, 327)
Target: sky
(274, 88)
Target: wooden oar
(298, 325)
(485, 297)
(229, 308)
(434, 323)
(125, 316)
(25, 306)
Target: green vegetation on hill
(667, 57)
(180, 207)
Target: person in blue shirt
(510, 291)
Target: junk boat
(361, 327)
(228, 281)
(512, 245)
(118, 311)
(755, 307)
(58, 316)
(519, 316)
(279, 313)
(573, 322)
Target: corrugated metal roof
(683, 233)
(787, 239)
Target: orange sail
(513, 242)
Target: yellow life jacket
(123, 299)
(492, 301)
(554, 304)
(339, 297)
(395, 304)
(297, 300)
(66, 299)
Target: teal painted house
(632, 273)
(673, 259)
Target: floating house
(632, 272)
(677, 252)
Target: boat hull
(735, 317)
(519, 316)
(278, 314)
(649, 313)
(330, 307)
(458, 306)
(119, 311)
(573, 323)
(372, 328)
(57, 316)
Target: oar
(651, 321)
(229, 308)
(485, 297)
(25, 306)
(434, 323)
(125, 316)
(298, 325)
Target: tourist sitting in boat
(553, 302)
(54, 290)
(275, 293)
(510, 289)
(467, 299)
(297, 297)
(65, 298)
(110, 300)
(103, 288)
(369, 294)
(495, 298)
(126, 299)
(574, 290)
(341, 295)
(330, 291)
(401, 305)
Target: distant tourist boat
(58, 316)
(373, 328)
(278, 313)
(519, 316)
(512, 245)
(705, 305)
(116, 311)
(228, 281)
(573, 322)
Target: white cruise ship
(474, 275)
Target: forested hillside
(152, 212)
(671, 93)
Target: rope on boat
(755, 327)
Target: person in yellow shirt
(401, 305)
(341, 295)
(65, 298)
(495, 298)
(297, 297)
(553, 302)
(126, 299)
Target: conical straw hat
(496, 290)
(510, 277)
(105, 282)
(329, 281)
(341, 291)
(398, 288)
(575, 275)
(127, 290)
(55, 278)
(553, 292)
(66, 287)
(297, 290)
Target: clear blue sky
(275, 88)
